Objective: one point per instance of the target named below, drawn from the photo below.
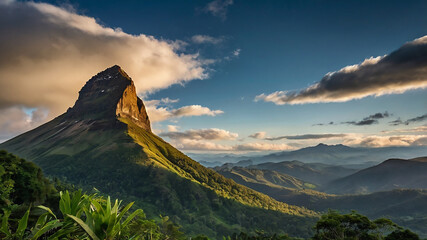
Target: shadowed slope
(390, 174)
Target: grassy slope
(130, 163)
(263, 176)
(164, 155)
(279, 186)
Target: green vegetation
(354, 226)
(161, 154)
(272, 178)
(91, 216)
(88, 217)
(22, 182)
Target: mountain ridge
(390, 174)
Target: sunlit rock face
(108, 95)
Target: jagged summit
(108, 95)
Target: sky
(227, 75)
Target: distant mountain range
(390, 174)
(350, 157)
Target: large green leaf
(84, 226)
(48, 210)
(5, 223)
(22, 224)
(50, 225)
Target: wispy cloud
(159, 110)
(306, 137)
(415, 130)
(236, 52)
(258, 135)
(398, 72)
(218, 8)
(263, 147)
(369, 120)
(173, 128)
(200, 39)
(202, 134)
(196, 145)
(387, 141)
(409, 121)
(263, 136)
(324, 124)
(372, 119)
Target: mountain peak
(108, 95)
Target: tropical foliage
(88, 217)
(21, 182)
(354, 226)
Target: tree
(354, 226)
(402, 235)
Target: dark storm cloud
(400, 71)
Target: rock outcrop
(108, 95)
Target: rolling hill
(261, 176)
(105, 141)
(316, 173)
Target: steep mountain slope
(105, 141)
(390, 174)
(315, 173)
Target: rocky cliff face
(108, 95)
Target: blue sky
(261, 47)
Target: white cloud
(173, 128)
(195, 145)
(48, 53)
(263, 147)
(258, 135)
(375, 141)
(263, 136)
(236, 52)
(199, 39)
(402, 70)
(157, 112)
(202, 134)
(415, 130)
(201, 145)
